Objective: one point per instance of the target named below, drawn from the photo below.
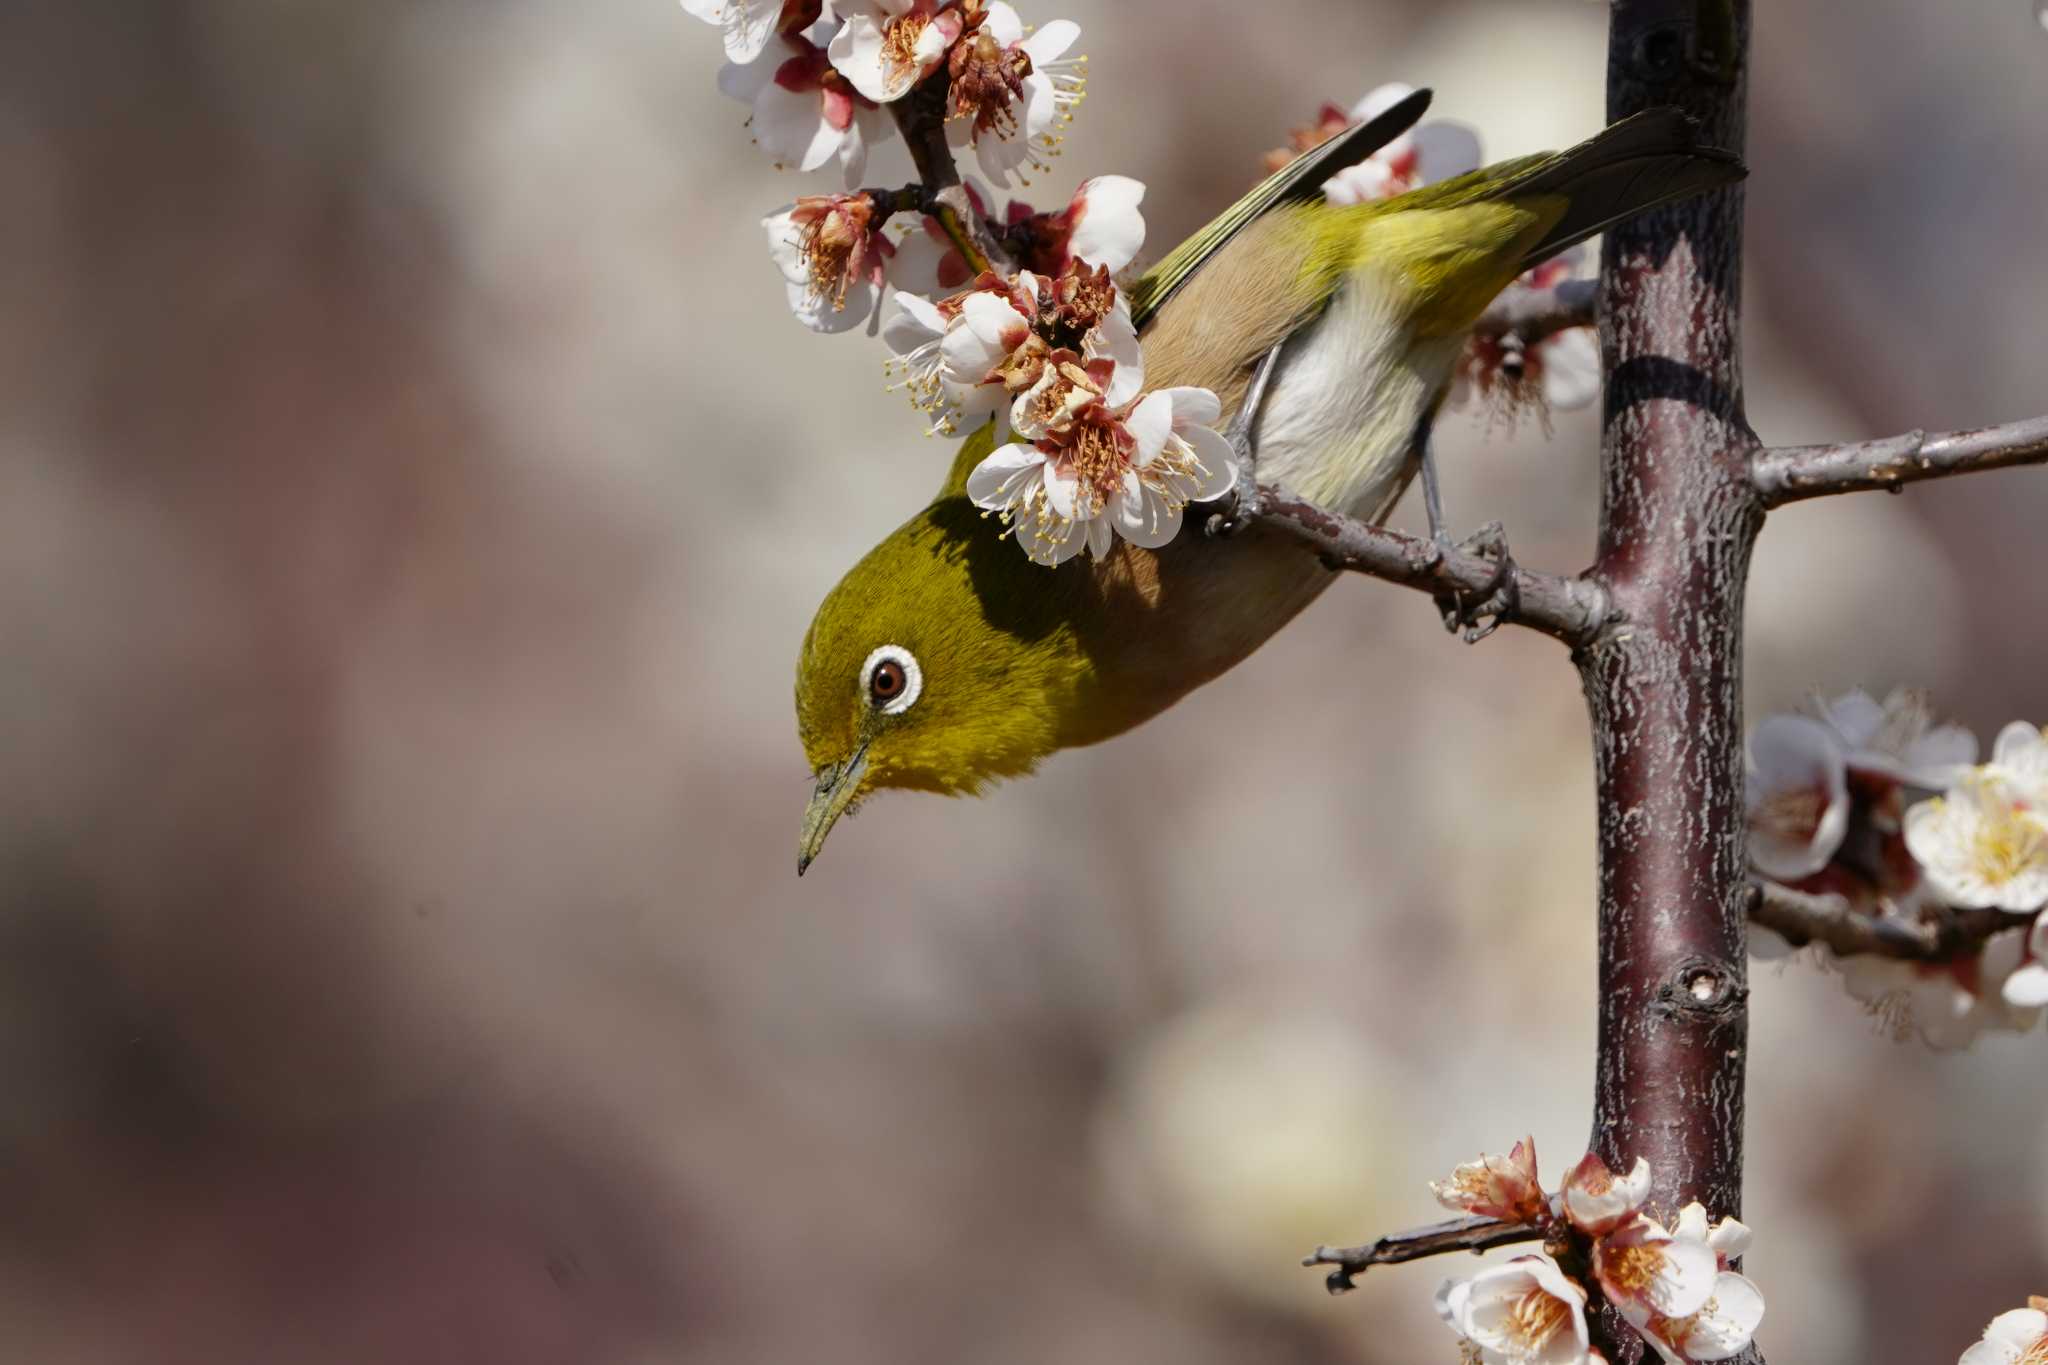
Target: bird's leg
(1244, 495)
(1481, 616)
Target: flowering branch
(1795, 473)
(1476, 1235)
(1569, 609)
(1529, 314)
(1801, 918)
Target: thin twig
(1801, 918)
(921, 117)
(1475, 1235)
(1535, 315)
(1794, 473)
(1569, 609)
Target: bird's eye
(892, 679)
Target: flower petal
(1378, 100)
(819, 315)
(1006, 474)
(1144, 517)
(1219, 463)
(1728, 1322)
(1101, 537)
(790, 128)
(1107, 227)
(1050, 42)
(1002, 24)
(912, 325)
(1571, 368)
(2028, 987)
(1151, 422)
(1193, 407)
(856, 52)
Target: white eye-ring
(892, 679)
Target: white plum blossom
(833, 257)
(1797, 796)
(2019, 1337)
(1647, 1271)
(1597, 1200)
(2027, 987)
(749, 24)
(1100, 226)
(1948, 1004)
(1897, 739)
(1983, 843)
(1502, 1187)
(1095, 470)
(1013, 95)
(805, 113)
(966, 355)
(1725, 1324)
(1525, 1311)
(887, 46)
(1562, 371)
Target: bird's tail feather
(1645, 161)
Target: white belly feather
(1344, 401)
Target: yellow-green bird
(946, 660)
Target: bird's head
(943, 662)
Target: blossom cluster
(1495, 372)
(816, 74)
(1048, 353)
(1873, 802)
(1673, 1284)
(1059, 360)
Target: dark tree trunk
(1679, 516)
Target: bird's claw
(1481, 615)
(1242, 510)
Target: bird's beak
(836, 790)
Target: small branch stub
(1476, 1235)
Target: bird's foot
(1481, 614)
(1243, 506)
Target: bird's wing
(1301, 178)
(1645, 160)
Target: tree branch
(1679, 518)
(1475, 1235)
(1801, 918)
(921, 117)
(1569, 609)
(1794, 473)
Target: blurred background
(412, 495)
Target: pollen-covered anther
(1082, 298)
(899, 43)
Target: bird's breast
(1340, 414)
